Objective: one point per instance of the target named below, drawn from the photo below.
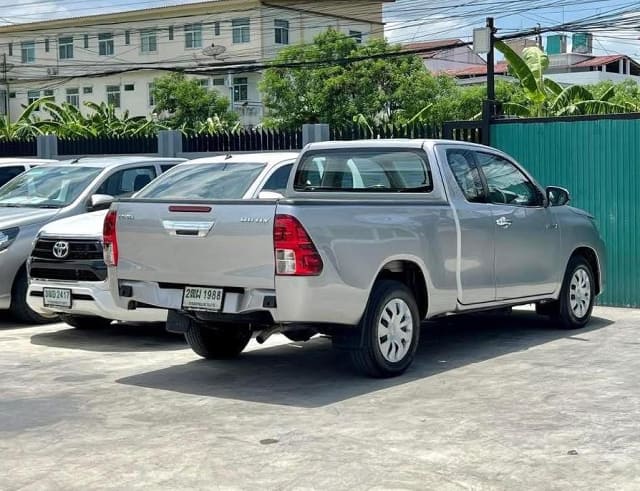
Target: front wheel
(574, 307)
(390, 331)
(20, 308)
(219, 343)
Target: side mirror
(269, 195)
(557, 196)
(100, 202)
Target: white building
(116, 57)
(445, 54)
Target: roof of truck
(383, 143)
(24, 160)
(245, 158)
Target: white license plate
(57, 297)
(201, 298)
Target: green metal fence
(598, 160)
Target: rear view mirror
(557, 196)
(269, 195)
(100, 202)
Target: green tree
(320, 86)
(187, 104)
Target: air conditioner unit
(52, 71)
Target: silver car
(52, 191)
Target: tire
(86, 321)
(574, 307)
(220, 343)
(19, 309)
(390, 303)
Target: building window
(73, 97)
(12, 95)
(48, 93)
(127, 38)
(204, 83)
(152, 100)
(105, 44)
(113, 95)
(148, 41)
(218, 81)
(193, 36)
(10, 49)
(28, 51)
(65, 48)
(46, 45)
(356, 36)
(240, 30)
(87, 90)
(240, 89)
(282, 31)
(170, 33)
(86, 41)
(216, 28)
(129, 87)
(32, 96)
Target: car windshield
(223, 180)
(47, 186)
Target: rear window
(204, 181)
(345, 170)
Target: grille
(78, 249)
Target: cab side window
(506, 183)
(277, 182)
(127, 181)
(467, 175)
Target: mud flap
(177, 323)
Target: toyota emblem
(61, 249)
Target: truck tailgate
(226, 244)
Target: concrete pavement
(490, 403)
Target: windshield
(47, 187)
(204, 181)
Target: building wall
(306, 20)
(453, 59)
(589, 78)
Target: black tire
(19, 309)
(85, 321)
(561, 311)
(219, 343)
(369, 359)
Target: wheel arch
(410, 272)
(591, 256)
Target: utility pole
(6, 86)
(491, 75)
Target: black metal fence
(468, 131)
(27, 148)
(107, 146)
(244, 141)
(360, 132)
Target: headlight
(7, 237)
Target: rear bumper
(90, 298)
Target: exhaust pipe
(267, 333)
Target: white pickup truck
(370, 238)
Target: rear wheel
(390, 331)
(19, 309)
(86, 321)
(219, 343)
(574, 307)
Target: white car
(71, 248)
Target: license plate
(57, 297)
(201, 298)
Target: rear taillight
(295, 253)
(110, 239)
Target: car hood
(17, 217)
(85, 225)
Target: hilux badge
(255, 220)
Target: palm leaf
(519, 68)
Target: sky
(407, 20)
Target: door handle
(503, 222)
(552, 226)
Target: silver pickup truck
(370, 238)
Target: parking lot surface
(490, 403)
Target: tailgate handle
(187, 228)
